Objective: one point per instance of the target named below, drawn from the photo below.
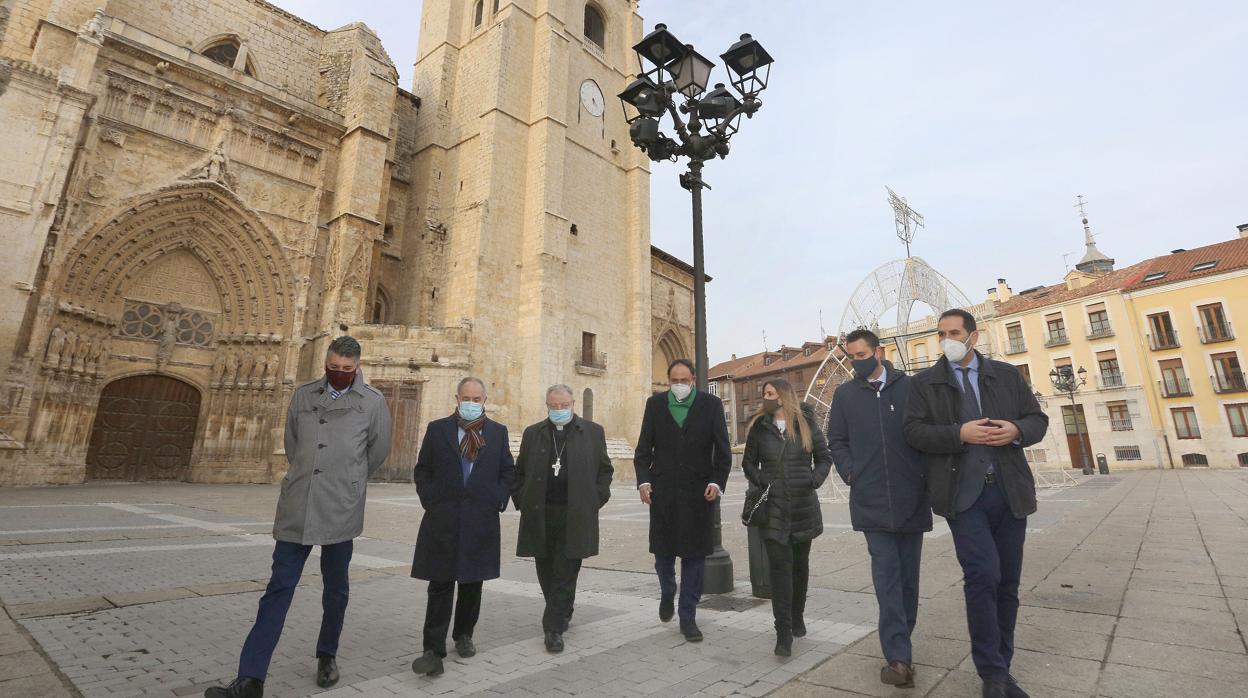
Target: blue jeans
(288, 559)
(691, 570)
(895, 575)
(989, 542)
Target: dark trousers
(989, 543)
(691, 571)
(557, 573)
(895, 575)
(288, 559)
(439, 609)
(789, 565)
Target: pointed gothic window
(478, 14)
(226, 53)
(595, 27)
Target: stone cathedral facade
(195, 197)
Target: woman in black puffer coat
(786, 449)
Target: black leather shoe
(799, 627)
(241, 688)
(667, 608)
(465, 648)
(1013, 690)
(326, 672)
(554, 642)
(994, 689)
(428, 663)
(690, 631)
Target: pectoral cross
(558, 464)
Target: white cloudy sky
(989, 117)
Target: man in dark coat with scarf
(682, 460)
(464, 475)
(888, 495)
(971, 417)
(564, 478)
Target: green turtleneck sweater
(679, 408)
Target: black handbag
(755, 511)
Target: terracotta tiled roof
(1190, 264)
(1059, 293)
(1158, 271)
(797, 360)
(733, 366)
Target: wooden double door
(144, 429)
(1076, 433)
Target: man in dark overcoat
(971, 417)
(682, 460)
(464, 475)
(564, 478)
(337, 434)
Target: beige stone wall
(508, 161)
(672, 333)
(235, 197)
(270, 205)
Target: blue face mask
(470, 410)
(560, 417)
(863, 368)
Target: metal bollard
(760, 568)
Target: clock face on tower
(591, 98)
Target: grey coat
(332, 447)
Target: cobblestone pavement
(1134, 585)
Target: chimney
(1243, 230)
(734, 357)
(992, 294)
(1003, 291)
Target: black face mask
(863, 368)
(770, 406)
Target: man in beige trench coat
(337, 434)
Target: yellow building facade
(1184, 310)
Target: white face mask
(954, 350)
(681, 391)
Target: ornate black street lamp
(669, 68)
(1066, 380)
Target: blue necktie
(971, 408)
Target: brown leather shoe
(897, 674)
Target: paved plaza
(1135, 585)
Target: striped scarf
(473, 440)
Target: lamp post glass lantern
(672, 83)
(1066, 380)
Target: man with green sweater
(682, 460)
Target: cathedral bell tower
(532, 207)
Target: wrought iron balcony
(1056, 339)
(1165, 340)
(1178, 387)
(1121, 424)
(1218, 332)
(1015, 347)
(1233, 383)
(1098, 330)
(1111, 380)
